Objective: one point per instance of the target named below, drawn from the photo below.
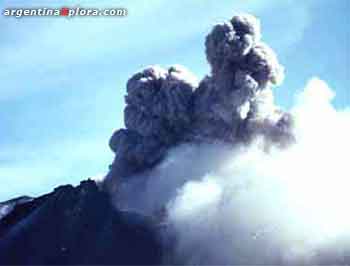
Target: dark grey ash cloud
(165, 107)
(159, 101)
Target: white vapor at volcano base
(243, 205)
(285, 204)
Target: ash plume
(165, 107)
(230, 170)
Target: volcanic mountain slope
(76, 225)
(7, 206)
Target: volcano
(206, 172)
(76, 225)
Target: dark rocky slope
(7, 206)
(75, 225)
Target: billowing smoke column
(236, 100)
(157, 115)
(166, 107)
(235, 179)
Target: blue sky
(63, 80)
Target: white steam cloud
(241, 205)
